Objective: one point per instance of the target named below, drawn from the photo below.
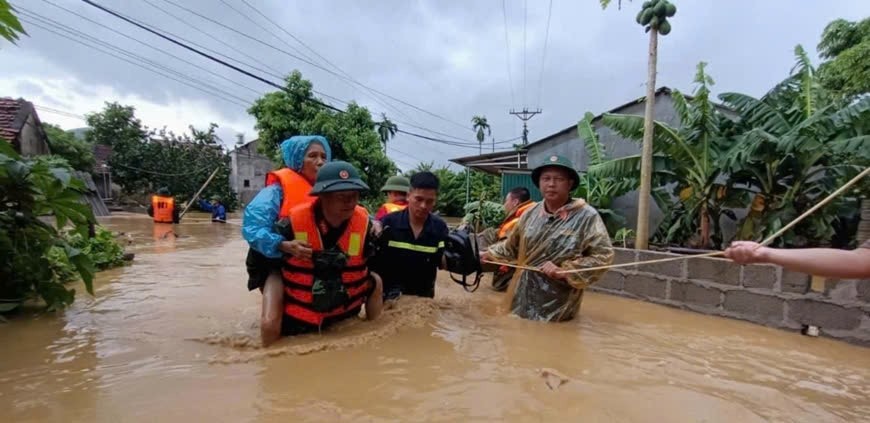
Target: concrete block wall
(763, 294)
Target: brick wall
(763, 294)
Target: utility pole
(524, 116)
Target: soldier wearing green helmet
(397, 188)
(558, 235)
(328, 241)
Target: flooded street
(174, 337)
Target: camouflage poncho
(573, 237)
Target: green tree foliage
(352, 135)
(144, 160)
(30, 188)
(846, 45)
(386, 130)
(601, 191)
(10, 27)
(480, 124)
(451, 196)
(796, 145)
(78, 153)
(689, 158)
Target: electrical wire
(544, 54)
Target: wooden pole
(641, 241)
(189, 203)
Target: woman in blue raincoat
(285, 188)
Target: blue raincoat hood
(293, 149)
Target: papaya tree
(687, 158)
(653, 16)
(796, 144)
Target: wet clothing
(163, 209)
(330, 237)
(388, 208)
(572, 237)
(502, 275)
(406, 264)
(218, 211)
(262, 212)
(336, 280)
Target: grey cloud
(595, 59)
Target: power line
(272, 71)
(59, 112)
(96, 47)
(544, 54)
(310, 63)
(153, 48)
(296, 50)
(508, 51)
(371, 95)
(247, 73)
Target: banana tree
(600, 191)
(796, 144)
(687, 158)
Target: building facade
(248, 170)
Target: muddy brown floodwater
(173, 338)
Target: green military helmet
(164, 192)
(338, 176)
(397, 183)
(556, 161)
(216, 198)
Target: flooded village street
(174, 337)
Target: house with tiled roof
(21, 127)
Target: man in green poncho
(558, 234)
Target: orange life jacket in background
(393, 207)
(163, 208)
(295, 187)
(298, 274)
(512, 220)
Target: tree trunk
(864, 224)
(642, 235)
(705, 227)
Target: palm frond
(631, 127)
(756, 113)
(681, 106)
(594, 148)
(856, 147)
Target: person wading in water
(285, 188)
(557, 234)
(326, 278)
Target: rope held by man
(766, 242)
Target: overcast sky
(447, 57)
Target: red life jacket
(294, 186)
(298, 275)
(163, 208)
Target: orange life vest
(295, 187)
(393, 207)
(298, 274)
(163, 208)
(512, 220)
